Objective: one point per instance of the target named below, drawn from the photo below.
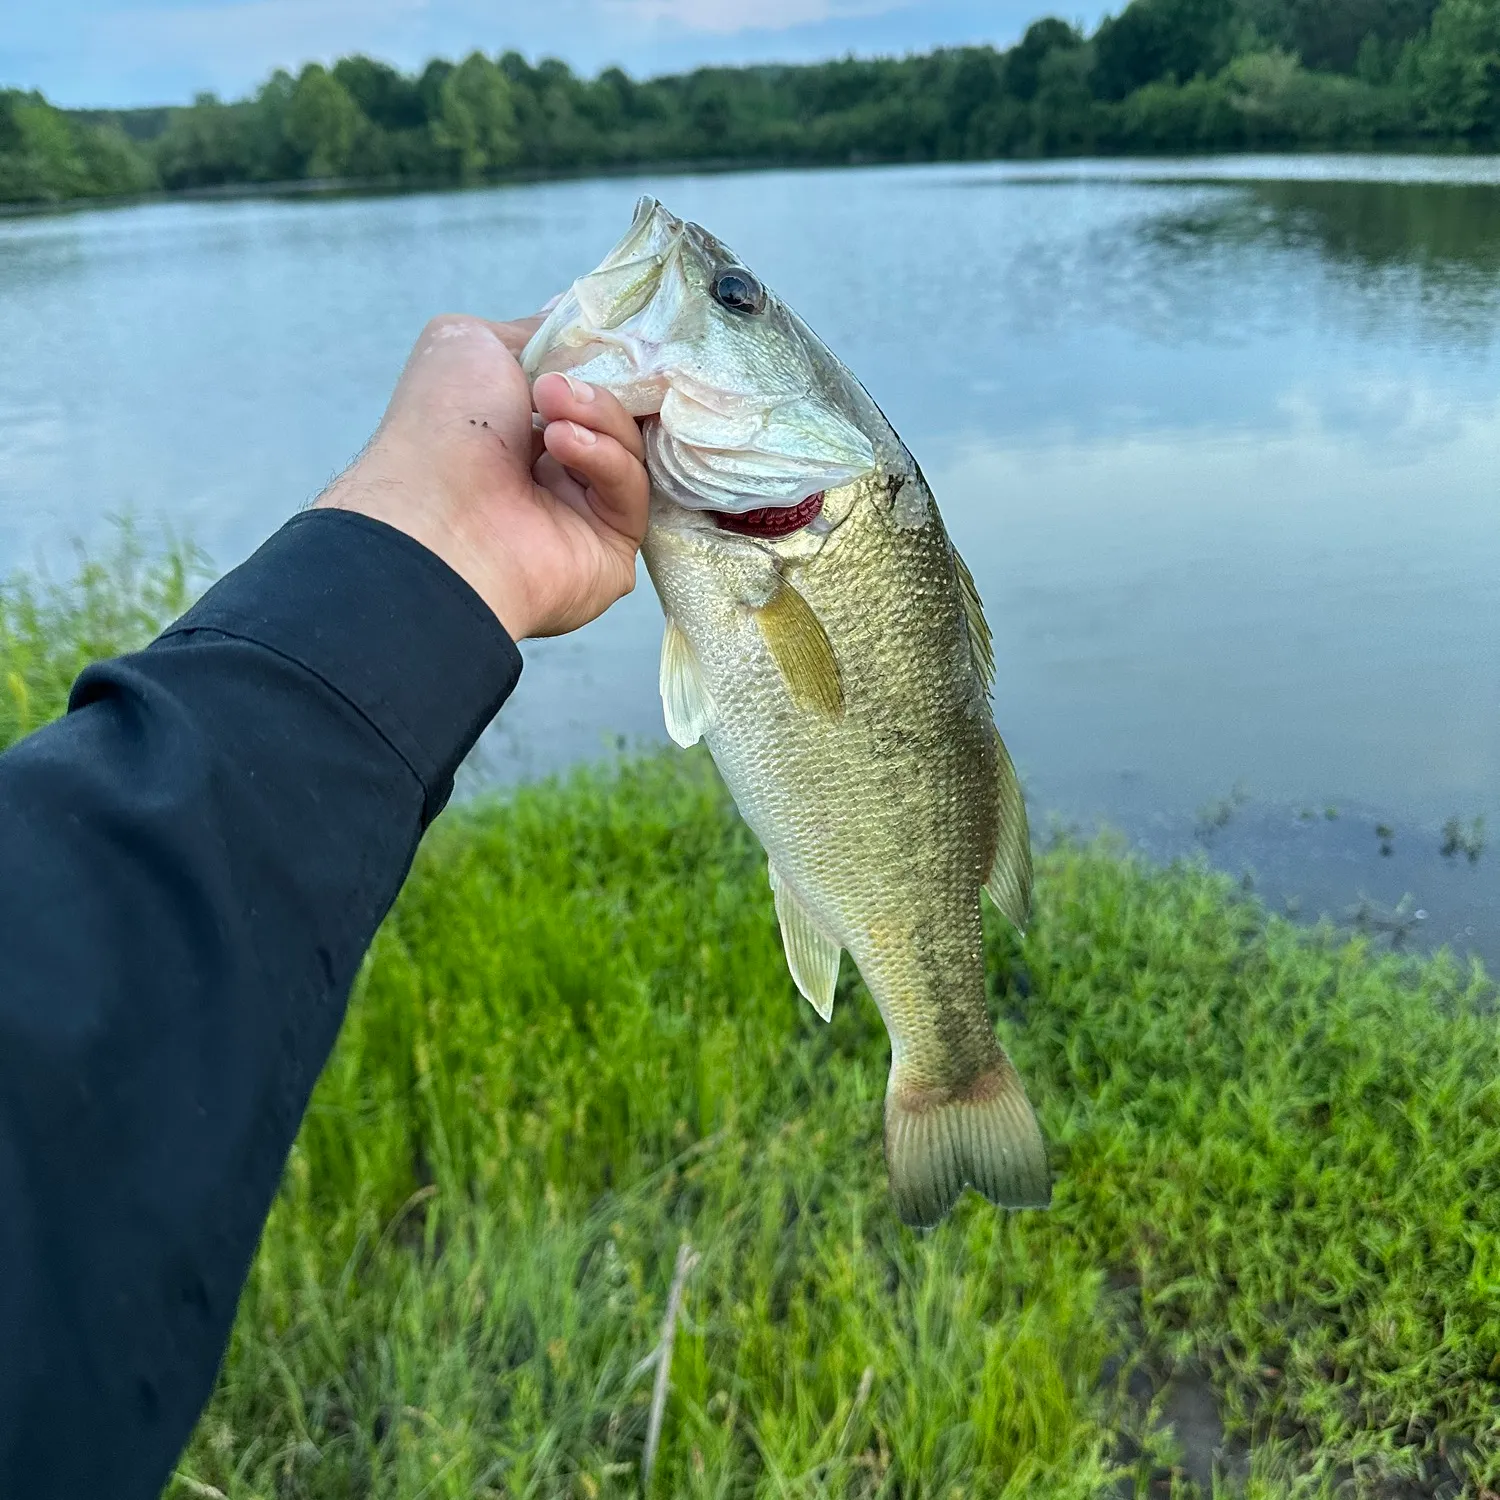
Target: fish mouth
(750, 494)
(733, 418)
(749, 483)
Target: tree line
(1163, 75)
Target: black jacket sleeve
(192, 865)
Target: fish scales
(839, 681)
(862, 816)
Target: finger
(562, 398)
(515, 335)
(560, 484)
(618, 489)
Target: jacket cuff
(384, 623)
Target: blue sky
(124, 52)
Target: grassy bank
(52, 628)
(575, 1046)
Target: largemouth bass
(827, 642)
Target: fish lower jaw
(715, 475)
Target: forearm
(193, 864)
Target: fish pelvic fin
(812, 956)
(685, 702)
(984, 1135)
(1009, 882)
(803, 654)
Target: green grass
(51, 630)
(575, 1046)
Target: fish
(827, 642)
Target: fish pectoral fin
(984, 1134)
(802, 652)
(685, 703)
(980, 643)
(812, 957)
(1009, 882)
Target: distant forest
(1162, 76)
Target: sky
(118, 53)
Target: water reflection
(1219, 441)
(1205, 600)
(1448, 228)
(1428, 251)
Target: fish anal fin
(1009, 882)
(684, 699)
(980, 641)
(812, 957)
(802, 652)
(984, 1135)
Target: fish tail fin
(985, 1134)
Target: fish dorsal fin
(685, 703)
(802, 652)
(1009, 882)
(979, 630)
(812, 958)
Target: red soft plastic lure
(774, 520)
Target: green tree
(1328, 34)
(386, 98)
(972, 80)
(39, 161)
(1160, 75)
(611, 101)
(1195, 116)
(710, 113)
(1063, 112)
(1001, 128)
(322, 123)
(1284, 104)
(207, 144)
(1023, 64)
(564, 133)
(475, 126)
(1157, 39)
(113, 164)
(1458, 69)
(47, 157)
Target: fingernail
(581, 389)
(552, 302)
(584, 435)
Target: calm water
(1221, 442)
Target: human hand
(543, 525)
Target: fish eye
(739, 291)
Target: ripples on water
(1220, 440)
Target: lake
(1220, 440)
